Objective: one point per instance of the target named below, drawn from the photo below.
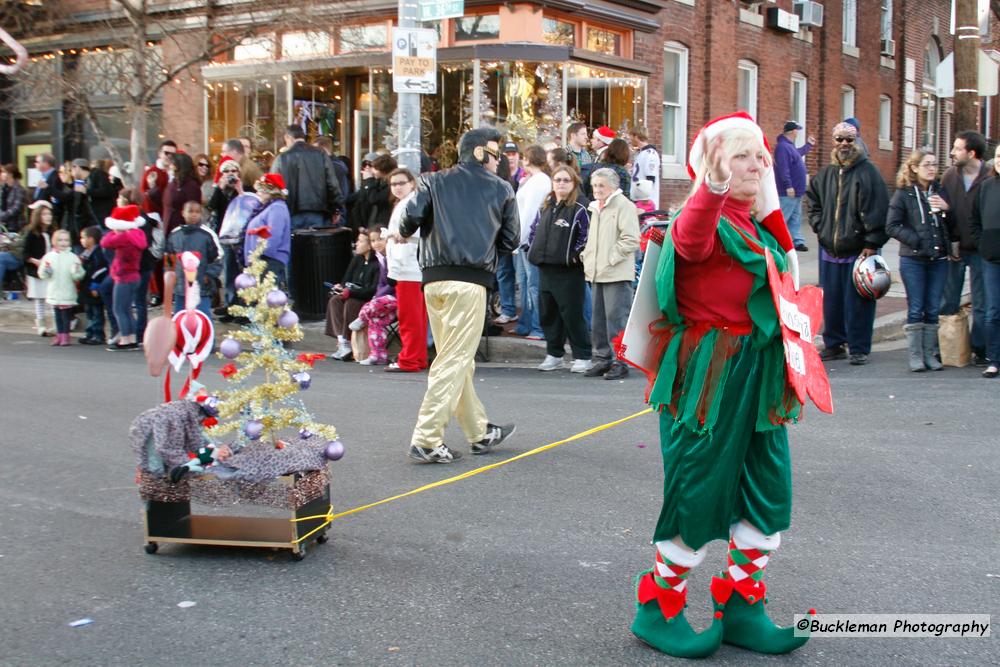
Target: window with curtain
(675, 77)
(746, 84)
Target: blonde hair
(734, 141)
(905, 176)
(62, 231)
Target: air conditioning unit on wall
(888, 47)
(810, 13)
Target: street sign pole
(408, 104)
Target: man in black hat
(790, 173)
(467, 216)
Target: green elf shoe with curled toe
(659, 622)
(744, 620)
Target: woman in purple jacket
(274, 215)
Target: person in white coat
(530, 196)
(401, 254)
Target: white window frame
(674, 158)
(798, 108)
(749, 69)
(885, 123)
(848, 97)
(849, 26)
(885, 25)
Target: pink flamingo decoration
(195, 333)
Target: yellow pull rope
(330, 516)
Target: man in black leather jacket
(847, 202)
(313, 193)
(466, 216)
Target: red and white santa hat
(218, 168)
(274, 183)
(604, 134)
(768, 203)
(125, 217)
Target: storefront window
(254, 108)
(372, 37)
(602, 97)
(523, 99)
(604, 41)
(301, 44)
(555, 31)
(469, 28)
(318, 106)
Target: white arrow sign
(414, 60)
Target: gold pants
(456, 312)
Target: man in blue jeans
(847, 202)
(790, 173)
(961, 183)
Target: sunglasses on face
(226, 171)
(562, 180)
(398, 184)
(844, 140)
(203, 164)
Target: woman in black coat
(918, 218)
(359, 286)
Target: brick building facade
(675, 64)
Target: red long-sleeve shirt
(711, 286)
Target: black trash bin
(318, 255)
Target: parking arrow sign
(414, 60)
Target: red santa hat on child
(218, 168)
(604, 134)
(768, 204)
(124, 218)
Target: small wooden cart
(167, 514)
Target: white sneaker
(356, 325)
(342, 351)
(370, 361)
(550, 364)
(581, 366)
(505, 319)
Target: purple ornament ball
(303, 378)
(288, 319)
(334, 450)
(245, 281)
(276, 299)
(305, 433)
(230, 348)
(253, 429)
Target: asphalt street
(531, 564)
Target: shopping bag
(359, 344)
(953, 339)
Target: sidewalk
(19, 316)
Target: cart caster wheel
(322, 539)
(151, 547)
(299, 554)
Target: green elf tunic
(723, 401)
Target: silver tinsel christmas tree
(550, 108)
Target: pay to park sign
(414, 60)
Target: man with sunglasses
(467, 216)
(847, 202)
(167, 149)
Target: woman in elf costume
(723, 398)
